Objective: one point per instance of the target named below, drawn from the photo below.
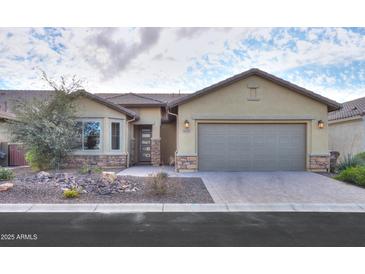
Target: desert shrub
(360, 157)
(71, 193)
(48, 124)
(6, 174)
(36, 161)
(348, 161)
(354, 175)
(97, 169)
(159, 183)
(87, 169)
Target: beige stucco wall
(347, 137)
(168, 142)
(149, 116)
(275, 104)
(89, 109)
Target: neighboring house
(4, 131)
(253, 121)
(347, 128)
(5, 136)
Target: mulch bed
(180, 190)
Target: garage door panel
(251, 147)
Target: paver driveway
(279, 187)
(267, 187)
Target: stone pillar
(155, 152)
(186, 163)
(319, 163)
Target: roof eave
(345, 119)
(332, 105)
(109, 104)
(142, 105)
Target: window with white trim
(88, 135)
(115, 135)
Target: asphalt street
(183, 229)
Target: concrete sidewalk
(125, 208)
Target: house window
(115, 135)
(88, 135)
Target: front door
(145, 144)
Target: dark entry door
(145, 144)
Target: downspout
(171, 113)
(128, 122)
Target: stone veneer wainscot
(114, 160)
(319, 163)
(186, 163)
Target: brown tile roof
(332, 105)
(106, 103)
(164, 97)
(349, 109)
(129, 99)
(8, 98)
(141, 98)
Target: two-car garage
(251, 147)
(252, 121)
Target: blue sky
(329, 61)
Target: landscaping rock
(104, 184)
(109, 176)
(6, 187)
(44, 175)
(107, 183)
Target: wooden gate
(16, 155)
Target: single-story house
(347, 128)
(253, 121)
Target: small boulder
(6, 187)
(43, 175)
(109, 176)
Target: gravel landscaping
(48, 187)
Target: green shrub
(36, 160)
(97, 169)
(48, 123)
(360, 157)
(6, 174)
(348, 161)
(159, 183)
(86, 169)
(71, 193)
(354, 175)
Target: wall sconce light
(186, 124)
(320, 124)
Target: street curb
(167, 207)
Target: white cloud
(157, 60)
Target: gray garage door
(251, 147)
